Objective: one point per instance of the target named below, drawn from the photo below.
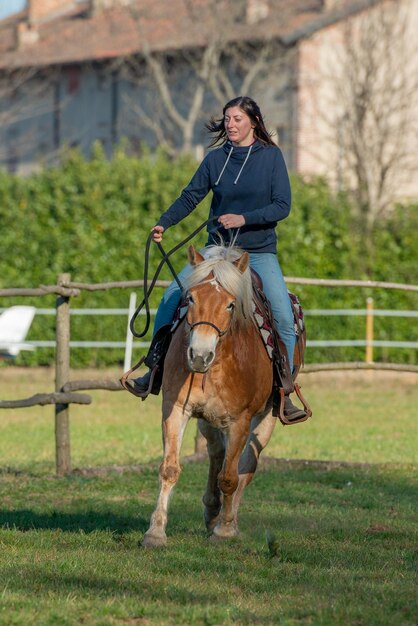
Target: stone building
(73, 72)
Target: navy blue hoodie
(251, 181)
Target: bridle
(220, 332)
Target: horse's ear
(242, 262)
(194, 256)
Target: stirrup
(125, 381)
(153, 387)
(285, 420)
(129, 385)
(156, 354)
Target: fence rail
(308, 312)
(315, 343)
(73, 288)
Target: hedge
(92, 218)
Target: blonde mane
(220, 261)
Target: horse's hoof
(211, 522)
(221, 538)
(224, 532)
(154, 541)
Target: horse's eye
(231, 307)
(190, 299)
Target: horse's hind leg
(261, 431)
(226, 526)
(173, 429)
(216, 451)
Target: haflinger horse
(218, 371)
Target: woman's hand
(230, 220)
(157, 233)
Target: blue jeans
(268, 268)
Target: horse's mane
(219, 260)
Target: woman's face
(239, 127)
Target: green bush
(92, 219)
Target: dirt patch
(355, 376)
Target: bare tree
(173, 124)
(186, 86)
(12, 108)
(376, 96)
(26, 94)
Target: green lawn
(326, 542)
(342, 550)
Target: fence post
(62, 375)
(369, 330)
(129, 336)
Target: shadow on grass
(88, 521)
(300, 499)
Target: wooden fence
(66, 390)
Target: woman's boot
(286, 410)
(291, 411)
(142, 386)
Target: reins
(165, 259)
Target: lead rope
(148, 290)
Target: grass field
(365, 416)
(329, 538)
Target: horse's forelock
(219, 260)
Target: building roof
(82, 35)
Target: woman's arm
(189, 198)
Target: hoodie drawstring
(243, 165)
(226, 163)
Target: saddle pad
(298, 315)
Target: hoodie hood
(240, 152)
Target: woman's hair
(251, 108)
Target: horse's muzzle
(199, 362)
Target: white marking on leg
(173, 430)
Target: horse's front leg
(228, 478)
(174, 424)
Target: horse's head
(219, 293)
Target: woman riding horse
(251, 193)
(218, 371)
